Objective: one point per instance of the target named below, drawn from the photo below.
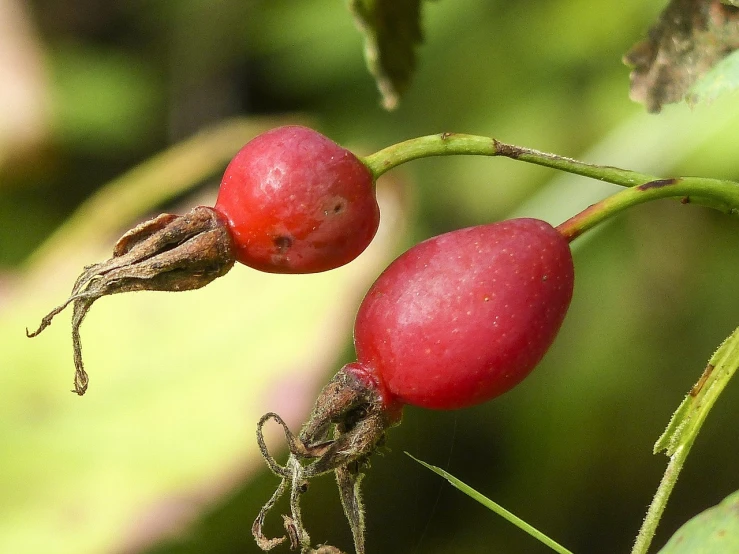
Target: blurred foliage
(715, 531)
(392, 31)
(722, 78)
(569, 450)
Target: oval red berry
(463, 317)
(296, 202)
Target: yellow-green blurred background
(160, 456)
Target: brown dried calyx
(346, 426)
(168, 252)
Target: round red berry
(296, 202)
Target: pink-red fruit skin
(296, 202)
(463, 317)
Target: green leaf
(715, 531)
(495, 507)
(392, 31)
(692, 412)
(722, 78)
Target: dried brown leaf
(689, 38)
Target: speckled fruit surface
(463, 317)
(296, 202)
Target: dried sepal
(294, 524)
(256, 529)
(167, 253)
(349, 479)
(346, 425)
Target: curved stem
(717, 194)
(714, 193)
(657, 507)
(457, 144)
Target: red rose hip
(296, 202)
(463, 317)
(291, 201)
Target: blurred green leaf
(167, 175)
(722, 78)
(392, 31)
(103, 101)
(714, 531)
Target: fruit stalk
(720, 195)
(714, 193)
(458, 144)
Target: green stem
(455, 144)
(714, 193)
(683, 429)
(717, 194)
(657, 507)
